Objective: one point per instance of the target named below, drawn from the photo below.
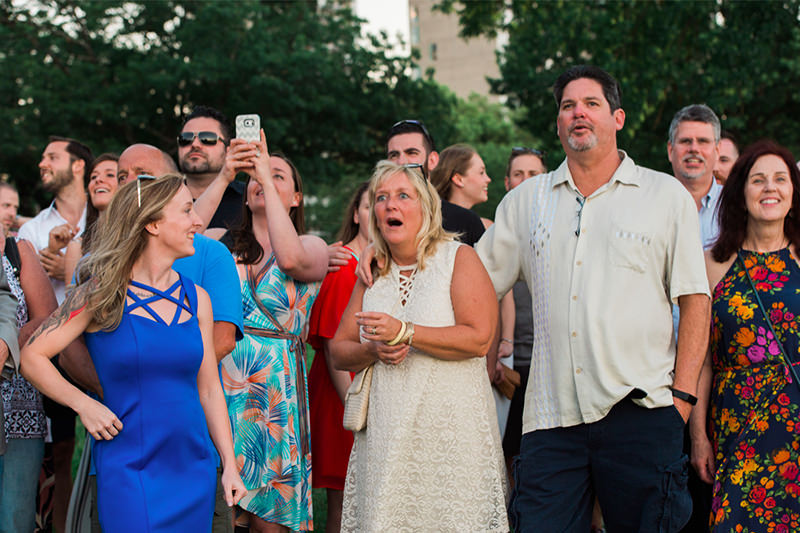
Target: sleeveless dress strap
(144, 303)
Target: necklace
(766, 249)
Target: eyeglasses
(185, 138)
(139, 179)
(418, 124)
(418, 166)
(521, 150)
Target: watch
(685, 396)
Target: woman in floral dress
(753, 456)
(264, 377)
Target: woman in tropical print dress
(264, 377)
(753, 456)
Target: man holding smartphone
(202, 147)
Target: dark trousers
(632, 460)
(701, 496)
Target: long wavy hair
(430, 234)
(349, 229)
(118, 245)
(92, 214)
(245, 245)
(732, 212)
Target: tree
(741, 58)
(116, 72)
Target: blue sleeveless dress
(159, 473)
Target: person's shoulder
(36, 223)
(206, 245)
(716, 270)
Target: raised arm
(238, 158)
(213, 402)
(304, 258)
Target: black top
(462, 221)
(229, 212)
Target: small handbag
(356, 401)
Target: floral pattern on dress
(259, 381)
(754, 401)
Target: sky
(388, 15)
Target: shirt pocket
(629, 249)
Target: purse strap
(786, 358)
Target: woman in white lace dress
(429, 458)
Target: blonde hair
(119, 243)
(430, 233)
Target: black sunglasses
(139, 179)
(521, 150)
(206, 137)
(418, 124)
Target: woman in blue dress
(149, 332)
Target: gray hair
(695, 113)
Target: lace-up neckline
(406, 281)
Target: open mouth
(393, 222)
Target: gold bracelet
(409, 336)
(509, 341)
(400, 335)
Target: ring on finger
(374, 330)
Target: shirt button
(574, 333)
(579, 263)
(574, 297)
(578, 370)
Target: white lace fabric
(430, 457)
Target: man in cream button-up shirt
(605, 247)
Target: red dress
(330, 442)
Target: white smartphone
(248, 128)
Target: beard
(582, 145)
(198, 166)
(59, 180)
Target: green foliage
(490, 129)
(112, 73)
(741, 58)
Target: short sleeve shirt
(602, 278)
(37, 232)
(213, 268)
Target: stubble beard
(59, 180)
(202, 166)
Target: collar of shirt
(711, 197)
(625, 174)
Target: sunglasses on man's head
(416, 123)
(206, 137)
(522, 150)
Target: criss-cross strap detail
(296, 346)
(180, 304)
(406, 283)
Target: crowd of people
(629, 322)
